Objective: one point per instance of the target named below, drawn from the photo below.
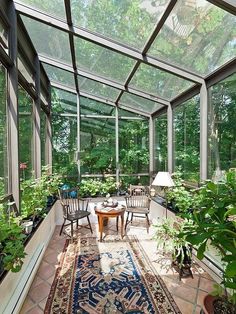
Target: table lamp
(163, 179)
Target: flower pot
(28, 226)
(209, 306)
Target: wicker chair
(74, 208)
(138, 204)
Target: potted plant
(170, 238)
(214, 223)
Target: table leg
(117, 222)
(122, 225)
(101, 227)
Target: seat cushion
(78, 215)
(137, 210)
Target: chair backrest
(138, 197)
(71, 202)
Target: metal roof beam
(227, 5)
(106, 43)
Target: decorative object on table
(116, 278)
(74, 209)
(138, 204)
(163, 179)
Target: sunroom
(127, 110)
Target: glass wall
(3, 133)
(25, 104)
(64, 130)
(222, 127)
(160, 142)
(133, 148)
(187, 139)
(97, 146)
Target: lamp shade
(163, 179)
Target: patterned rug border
(129, 239)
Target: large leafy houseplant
(214, 223)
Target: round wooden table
(115, 212)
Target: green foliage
(11, 241)
(171, 239)
(35, 192)
(93, 187)
(214, 222)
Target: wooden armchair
(138, 204)
(74, 208)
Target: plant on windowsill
(214, 223)
(168, 236)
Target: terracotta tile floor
(188, 293)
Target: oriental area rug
(115, 276)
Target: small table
(109, 212)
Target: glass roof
(55, 8)
(109, 36)
(59, 76)
(129, 22)
(158, 82)
(90, 106)
(102, 61)
(137, 102)
(98, 89)
(197, 36)
(48, 40)
(63, 102)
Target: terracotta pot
(208, 304)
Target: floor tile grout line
(195, 307)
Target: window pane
(134, 146)
(98, 89)
(63, 102)
(102, 61)
(222, 130)
(198, 36)
(97, 146)
(186, 139)
(25, 104)
(3, 133)
(3, 35)
(59, 76)
(126, 180)
(48, 40)
(158, 82)
(130, 22)
(90, 106)
(137, 102)
(43, 133)
(161, 143)
(64, 131)
(55, 8)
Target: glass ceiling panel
(126, 113)
(48, 40)
(55, 8)
(90, 106)
(102, 61)
(198, 36)
(59, 75)
(129, 22)
(141, 103)
(97, 89)
(158, 82)
(63, 102)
